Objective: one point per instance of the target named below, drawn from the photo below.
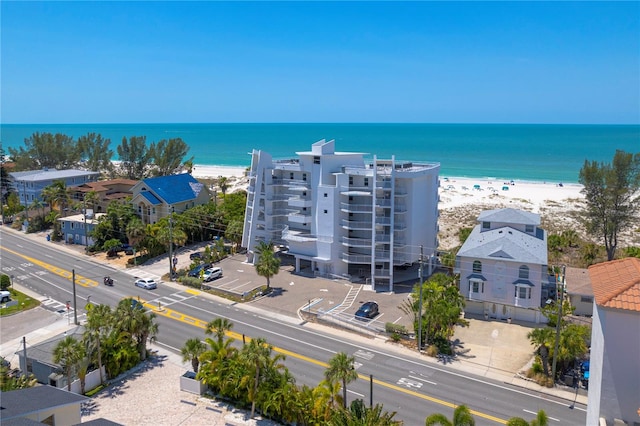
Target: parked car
(5, 296)
(367, 310)
(196, 255)
(128, 250)
(195, 272)
(212, 274)
(146, 283)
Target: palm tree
(215, 362)
(191, 351)
(219, 327)
(136, 231)
(359, 414)
(92, 198)
(341, 369)
(461, 417)
(138, 323)
(98, 316)
(540, 420)
(256, 355)
(543, 339)
(56, 194)
(68, 352)
(268, 264)
(38, 204)
(223, 184)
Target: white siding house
(340, 216)
(503, 266)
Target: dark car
(128, 250)
(367, 310)
(196, 255)
(195, 272)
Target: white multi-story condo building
(339, 216)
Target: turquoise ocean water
(532, 152)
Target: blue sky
(451, 62)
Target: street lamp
(12, 276)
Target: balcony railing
(352, 224)
(356, 258)
(348, 207)
(356, 242)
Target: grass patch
(95, 390)
(24, 303)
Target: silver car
(148, 284)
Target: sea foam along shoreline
(456, 191)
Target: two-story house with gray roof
(503, 266)
(155, 198)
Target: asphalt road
(401, 382)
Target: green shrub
(192, 282)
(396, 329)
(536, 368)
(396, 337)
(5, 282)
(432, 351)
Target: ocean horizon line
(238, 171)
(471, 123)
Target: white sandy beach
(455, 191)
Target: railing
(357, 242)
(356, 207)
(356, 258)
(352, 224)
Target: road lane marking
(423, 380)
(187, 319)
(535, 414)
(80, 280)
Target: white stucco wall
(614, 382)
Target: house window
(326, 195)
(291, 175)
(350, 180)
(139, 210)
(523, 272)
(486, 225)
(72, 227)
(477, 266)
(304, 193)
(529, 228)
(523, 292)
(154, 210)
(304, 177)
(326, 211)
(586, 299)
(476, 286)
(316, 160)
(366, 181)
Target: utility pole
(560, 282)
(170, 244)
(75, 310)
(420, 302)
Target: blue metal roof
(174, 188)
(151, 198)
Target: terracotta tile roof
(616, 284)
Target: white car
(148, 284)
(212, 274)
